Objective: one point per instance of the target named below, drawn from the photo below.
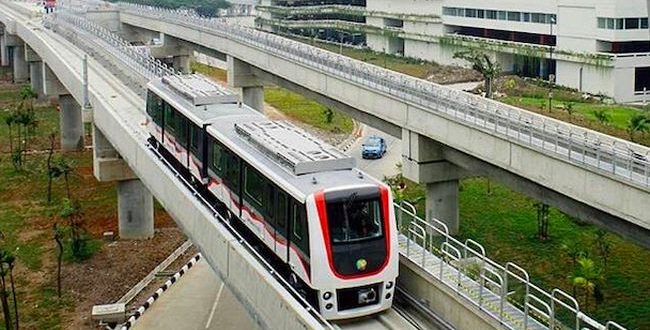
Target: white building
(596, 46)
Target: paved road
(198, 301)
(386, 166)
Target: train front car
(355, 252)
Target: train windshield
(354, 220)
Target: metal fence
(474, 275)
(604, 154)
(135, 58)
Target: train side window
(218, 158)
(232, 171)
(254, 187)
(300, 234)
(155, 107)
(268, 201)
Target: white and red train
(329, 227)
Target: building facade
(595, 46)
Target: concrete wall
(451, 307)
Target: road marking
(214, 306)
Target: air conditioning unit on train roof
(294, 148)
(199, 90)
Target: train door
(281, 214)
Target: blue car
(374, 147)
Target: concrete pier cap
(240, 75)
(423, 162)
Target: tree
(51, 171)
(3, 289)
(587, 277)
(603, 246)
(71, 210)
(10, 120)
(638, 123)
(28, 95)
(482, 63)
(329, 115)
(543, 211)
(64, 168)
(58, 238)
(569, 109)
(602, 116)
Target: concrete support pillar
(253, 97)
(182, 63)
(240, 75)
(21, 69)
(4, 51)
(36, 79)
(423, 161)
(442, 203)
(72, 129)
(135, 210)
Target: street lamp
(551, 77)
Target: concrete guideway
(118, 112)
(573, 173)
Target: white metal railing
(510, 283)
(607, 155)
(136, 58)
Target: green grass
(304, 110)
(619, 114)
(505, 223)
(215, 73)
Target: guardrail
(136, 58)
(605, 154)
(511, 283)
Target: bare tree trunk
(49, 169)
(13, 293)
(11, 141)
(59, 243)
(3, 298)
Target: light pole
(551, 77)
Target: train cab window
(299, 232)
(254, 187)
(354, 220)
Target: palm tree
(587, 277)
(569, 109)
(602, 116)
(638, 123)
(484, 64)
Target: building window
(631, 23)
(470, 12)
(526, 17)
(491, 14)
(502, 15)
(641, 79)
(514, 16)
(602, 23)
(619, 23)
(644, 23)
(449, 11)
(480, 13)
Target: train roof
(294, 159)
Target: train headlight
(327, 295)
(388, 295)
(389, 285)
(329, 306)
